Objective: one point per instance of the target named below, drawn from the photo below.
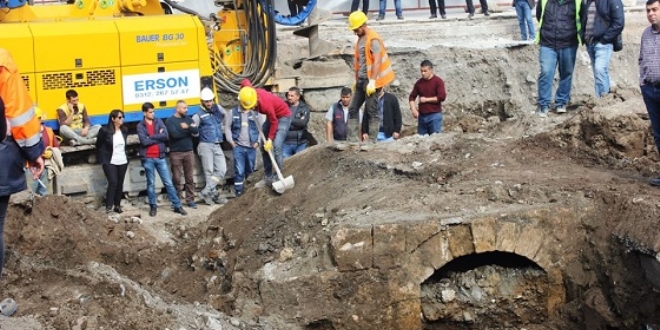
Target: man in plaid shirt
(649, 70)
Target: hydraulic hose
(259, 45)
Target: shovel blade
(283, 185)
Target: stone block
(556, 290)
(352, 248)
(419, 232)
(483, 235)
(406, 315)
(529, 242)
(431, 255)
(545, 256)
(460, 240)
(506, 237)
(389, 246)
(401, 285)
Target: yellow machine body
(112, 62)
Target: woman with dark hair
(111, 148)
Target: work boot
(353, 129)
(207, 197)
(152, 210)
(180, 210)
(380, 17)
(219, 200)
(374, 128)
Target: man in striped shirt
(649, 70)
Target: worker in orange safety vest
(21, 138)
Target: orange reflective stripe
(25, 127)
(51, 136)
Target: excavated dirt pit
(505, 221)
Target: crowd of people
(27, 145)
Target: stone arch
(526, 238)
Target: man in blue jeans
(296, 138)
(242, 133)
(153, 135)
(525, 20)
(602, 23)
(389, 118)
(559, 28)
(383, 8)
(429, 91)
(649, 71)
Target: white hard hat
(206, 94)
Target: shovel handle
(269, 152)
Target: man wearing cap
(278, 121)
(373, 71)
(209, 119)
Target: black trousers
(434, 8)
(295, 7)
(470, 6)
(115, 175)
(356, 4)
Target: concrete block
(460, 240)
(483, 235)
(389, 246)
(506, 237)
(352, 248)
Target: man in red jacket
(278, 120)
(430, 90)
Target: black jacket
(558, 29)
(609, 20)
(391, 116)
(299, 120)
(104, 145)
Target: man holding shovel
(278, 120)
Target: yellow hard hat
(248, 97)
(38, 112)
(356, 19)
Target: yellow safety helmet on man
(356, 20)
(247, 96)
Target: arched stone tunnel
(404, 266)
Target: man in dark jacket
(182, 158)
(296, 140)
(153, 135)
(337, 117)
(559, 28)
(390, 118)
(602, 24)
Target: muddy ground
(72, 267)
